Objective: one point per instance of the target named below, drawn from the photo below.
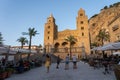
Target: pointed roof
(81, 9)
(51, 15)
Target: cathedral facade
(54, 40)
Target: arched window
(81, 22)
(81, 14)
(48, 32)
(49, 20)
(48, 27)
(57, 45)
(82, 34)
(82, 28)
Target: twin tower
(54, 40)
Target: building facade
(54, 40)
(33, 47)
(114, 29)
(103, 21)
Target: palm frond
(102, 36)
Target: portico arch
(56, 46)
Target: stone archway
(48, 48)
(64, 44)
(56, 46)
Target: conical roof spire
(51, 15)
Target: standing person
(47, 62)
(105, 64)
(43, 58)
(67, 62)
(74, 58)
(58, 62)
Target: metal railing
(67, 50)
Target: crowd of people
(106, 61)
(21, 65)
(95, 61)
(58, 60)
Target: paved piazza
(84, 72)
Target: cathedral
(54, 40)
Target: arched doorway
(48, 48)
(56, 46)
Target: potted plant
(2, 74)
(9, 71)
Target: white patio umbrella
(93, 49)
(12, 52)
(116, 53)
(99, 48)
(3, 50)
(96, 48)
(25, 51)
(108, 47)
(117, 45)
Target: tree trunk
(103, 51)
(20, 54)
(70, 52)
(28, 57)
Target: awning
(110, 46)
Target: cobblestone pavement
(83, 72)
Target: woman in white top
(74, 59)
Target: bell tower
(83, 30)
(50, 33)
(81, 20)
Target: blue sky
(16, 16)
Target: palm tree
(71, 40)
(31, 32)
(102, 36)
(40, 46)
(23, 41)
(94, 44)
